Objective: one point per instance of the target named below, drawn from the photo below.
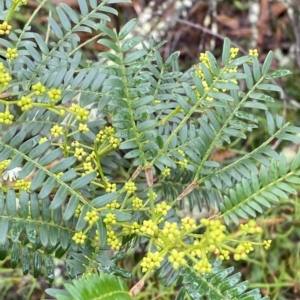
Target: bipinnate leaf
(166, 121)
(218, 285)
(104, 286)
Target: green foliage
(220, 284)
(93, 287)
(99, 156)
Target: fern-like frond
(220, 285)
(46, 209)
(93, 287)
(264, 189)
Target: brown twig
(206, 30)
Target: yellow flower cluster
(96, 238)
(75, 144)
(253, 52)
(79, 237)
(88, 167)
(104, 134)
(106, 142)
(134, 228)
(151, 261)
(224, 255)
(113, 241)
(203, 266)
(59, 175)
(25, 103)
(113, 205)
(114, 142)
(176, 258)
(5, 28)
(162, 208)
(149, 228)
(5, 77)
(109, 130)
(168, 240)
(56, 131)
(205, 60)
(130, 187)
(154, 195)
(207, 89)
(11, 53)
(242, 250)
(137, 203)
(79, 153)
(214, 241)
(232, 70)
(6, 118)
(91, 156)
(110, 187)
(4, 164)
(110, 219)
(166, 172)
(62, 111)
(234, 52)
(250, 228)
(54, 95)
(83, 128)
(38, 88)
(215, 232)
(91, 217)
(182, 163)
(81, 113)
(23, 185)
(188, 224)
(64, 147)
(171, 232)
(78, 210)
(267, 244)
(43, 140)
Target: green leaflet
(37, 264)
(25, 260)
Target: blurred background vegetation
(192, 27)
